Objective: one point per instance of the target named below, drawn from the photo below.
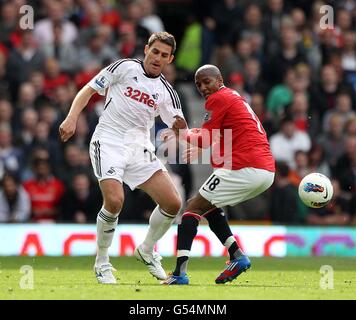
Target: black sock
(234, 251)
(187, 231)
(219, 225)
(181, 266)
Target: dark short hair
(282, 168)
(10, 175)
(287, 118)
(164, 37)
(40, 160)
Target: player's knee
(191, 204)
(190, 201)
(114, 203)
(173, 206)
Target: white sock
(106, 223)
(229, 241)
(183, 253)
(160, 222)
(184, 262)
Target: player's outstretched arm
(68, 126)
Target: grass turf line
(269, 278)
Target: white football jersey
(133, 100)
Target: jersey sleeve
(107, 77)
(170, 107)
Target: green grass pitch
(269, 278)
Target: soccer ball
(315, 190)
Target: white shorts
(229, 187)
(130, 163)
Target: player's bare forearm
(68, 126)
(80, 101)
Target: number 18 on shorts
(229, 187)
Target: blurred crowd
(298, 76)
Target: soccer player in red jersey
(243, 168)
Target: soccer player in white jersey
(121, 151)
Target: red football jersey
(45, 197)
(238, 125)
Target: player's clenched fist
(178, 124)
(67, 128)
